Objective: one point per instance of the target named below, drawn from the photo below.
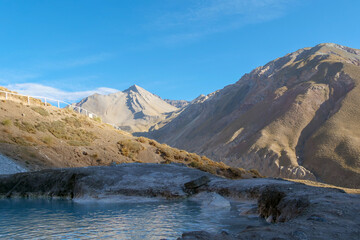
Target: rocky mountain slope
(296, 117)
(35, 137)
(132, 110)
(177, 103)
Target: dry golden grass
(25, 126)
(70, 130)
(5, 130)
(42, 126)
(29, 139)
(47, 140)
(130, 148)
(73, 122)
(324, 185)
(65, 138)
(41, 111)
(6, 122)
(142, 139)
(19, 141)
(174, 155)
(97, 119)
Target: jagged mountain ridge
(177, 103)
(133, 110)
(295, 117)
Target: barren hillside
(296, 117)
(132, 110)
(39, 137)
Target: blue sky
(177, 49)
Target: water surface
(61, 219)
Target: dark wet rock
(202, 235)
(268, 204)
(291, 207)
(145, 180)
(316, 218)
(47, 182)
(293, 204)
(251, 211)
(192, 186)
(261, 233)
(275, 206)
(300, 235)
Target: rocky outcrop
(300, 208)
(9, 166)
(145, 180)
(177, 103)
(274, 206)
(192, 186)
(295, 117)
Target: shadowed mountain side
(132, 110)
(295, 117)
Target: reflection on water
(60, 219)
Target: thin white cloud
(211, 11)
(35, 89)
(8, 76)
(72, 63)
(35, 71)
(214, 16)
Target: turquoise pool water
(60, 219)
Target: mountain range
(295, 117)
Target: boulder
(192, 186)
(275, 206)
(212, 200)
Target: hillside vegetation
(40, 137)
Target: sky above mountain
(176, 49)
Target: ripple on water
(60, 219)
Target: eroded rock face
(192, 186)
(268, 202)
(46, 183)
(146, 180)
(275, 206)
(300, 208)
